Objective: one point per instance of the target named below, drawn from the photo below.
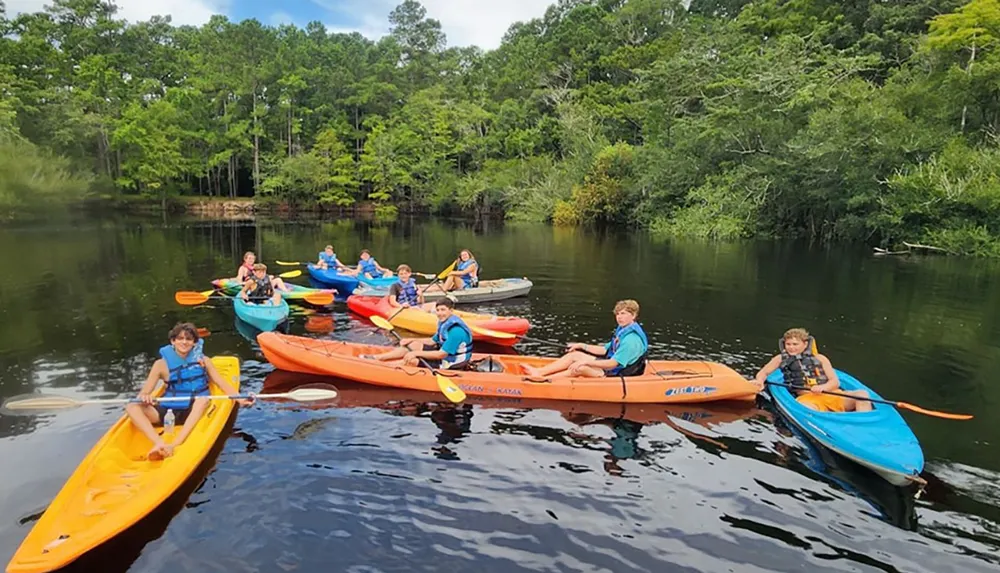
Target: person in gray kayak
(812, 374)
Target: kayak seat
(487, 365)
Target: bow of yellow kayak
(115, 486)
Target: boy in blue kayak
(261, 286)
(624, 355)
(369, 267)
(328, 259)
(449, 349)
(186, 371)
(801, 365)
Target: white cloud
(182, 12)
(281, 17)
(466, 22)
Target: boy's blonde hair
(627, 305)
(796, 333)
(404, 267)
(259, 267)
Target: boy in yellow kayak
(624, 355)
(328, 260)
(186, 372)
(801, 365)
(404, 293)
(449, 349)
(263, 286)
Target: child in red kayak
(186, 371)
(624, 355)
(801, 365)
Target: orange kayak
(422, 322)
(663, 382)
(115, 486)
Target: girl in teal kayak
(624, 355)
(186, 371)
(261, 287)
(369, 267)
(328, 260)
(466, 273)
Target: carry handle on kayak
(902, 405)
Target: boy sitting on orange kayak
(328, 259)
(186, 371)
(368, 267)
(404, 293)
(246, 269)
(449, 349)
(802, 366)
(624, 355)
(262, 286)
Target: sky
(466, 22)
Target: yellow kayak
(115, 486)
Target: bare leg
(197, 411)
(581, 371)
(449, 283)
(276, 298)
(144, 416)
(859, 405)
(397, 353)
(561, 364)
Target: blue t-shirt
(456, 338)
(630, 350)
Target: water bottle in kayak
(168, 422)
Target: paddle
(297, 263)
(192, 298)
(449, 389)
(903, 405)
(441, 275)
(53, 402)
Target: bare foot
(159, 452)
(529, 370)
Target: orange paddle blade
(190, 297)
(935, 413)
(319, 298)
(203, 332)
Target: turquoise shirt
(630, 349)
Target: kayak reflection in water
(262, 286)
(450, 348)
(802, 365)
(186, 372)
(624, 355)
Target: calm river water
(391, 481)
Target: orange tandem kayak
(663, 382)
(115, 486)
(422, 322)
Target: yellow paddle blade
(190, 298)
(207, 293)
(451, 267)
(288, 264)
(935, 413)
(491, 333)
(319, 298)
(450, 390)
(291, 274)
(381, 322)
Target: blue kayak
(265, 316)
(879, 440)
(345, 284)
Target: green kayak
(232, 287)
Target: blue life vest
(187, 376)
(330, 260)
(408, 292)
(464, 352)
(637, 367)
(369, 267)
(470, 280)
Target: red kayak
(425, 323)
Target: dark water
(396, 481)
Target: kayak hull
(262, 316)
(425, 323)
(487, 291)
(343, 283)
(115, 486)
(879, 440)
(664, 382)
(297, 292)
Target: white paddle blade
(26, 403)
(312, 395)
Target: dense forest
(861, 120)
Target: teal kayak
(298, 292)
(879, 440)
(264, 316)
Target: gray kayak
(487, 291)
